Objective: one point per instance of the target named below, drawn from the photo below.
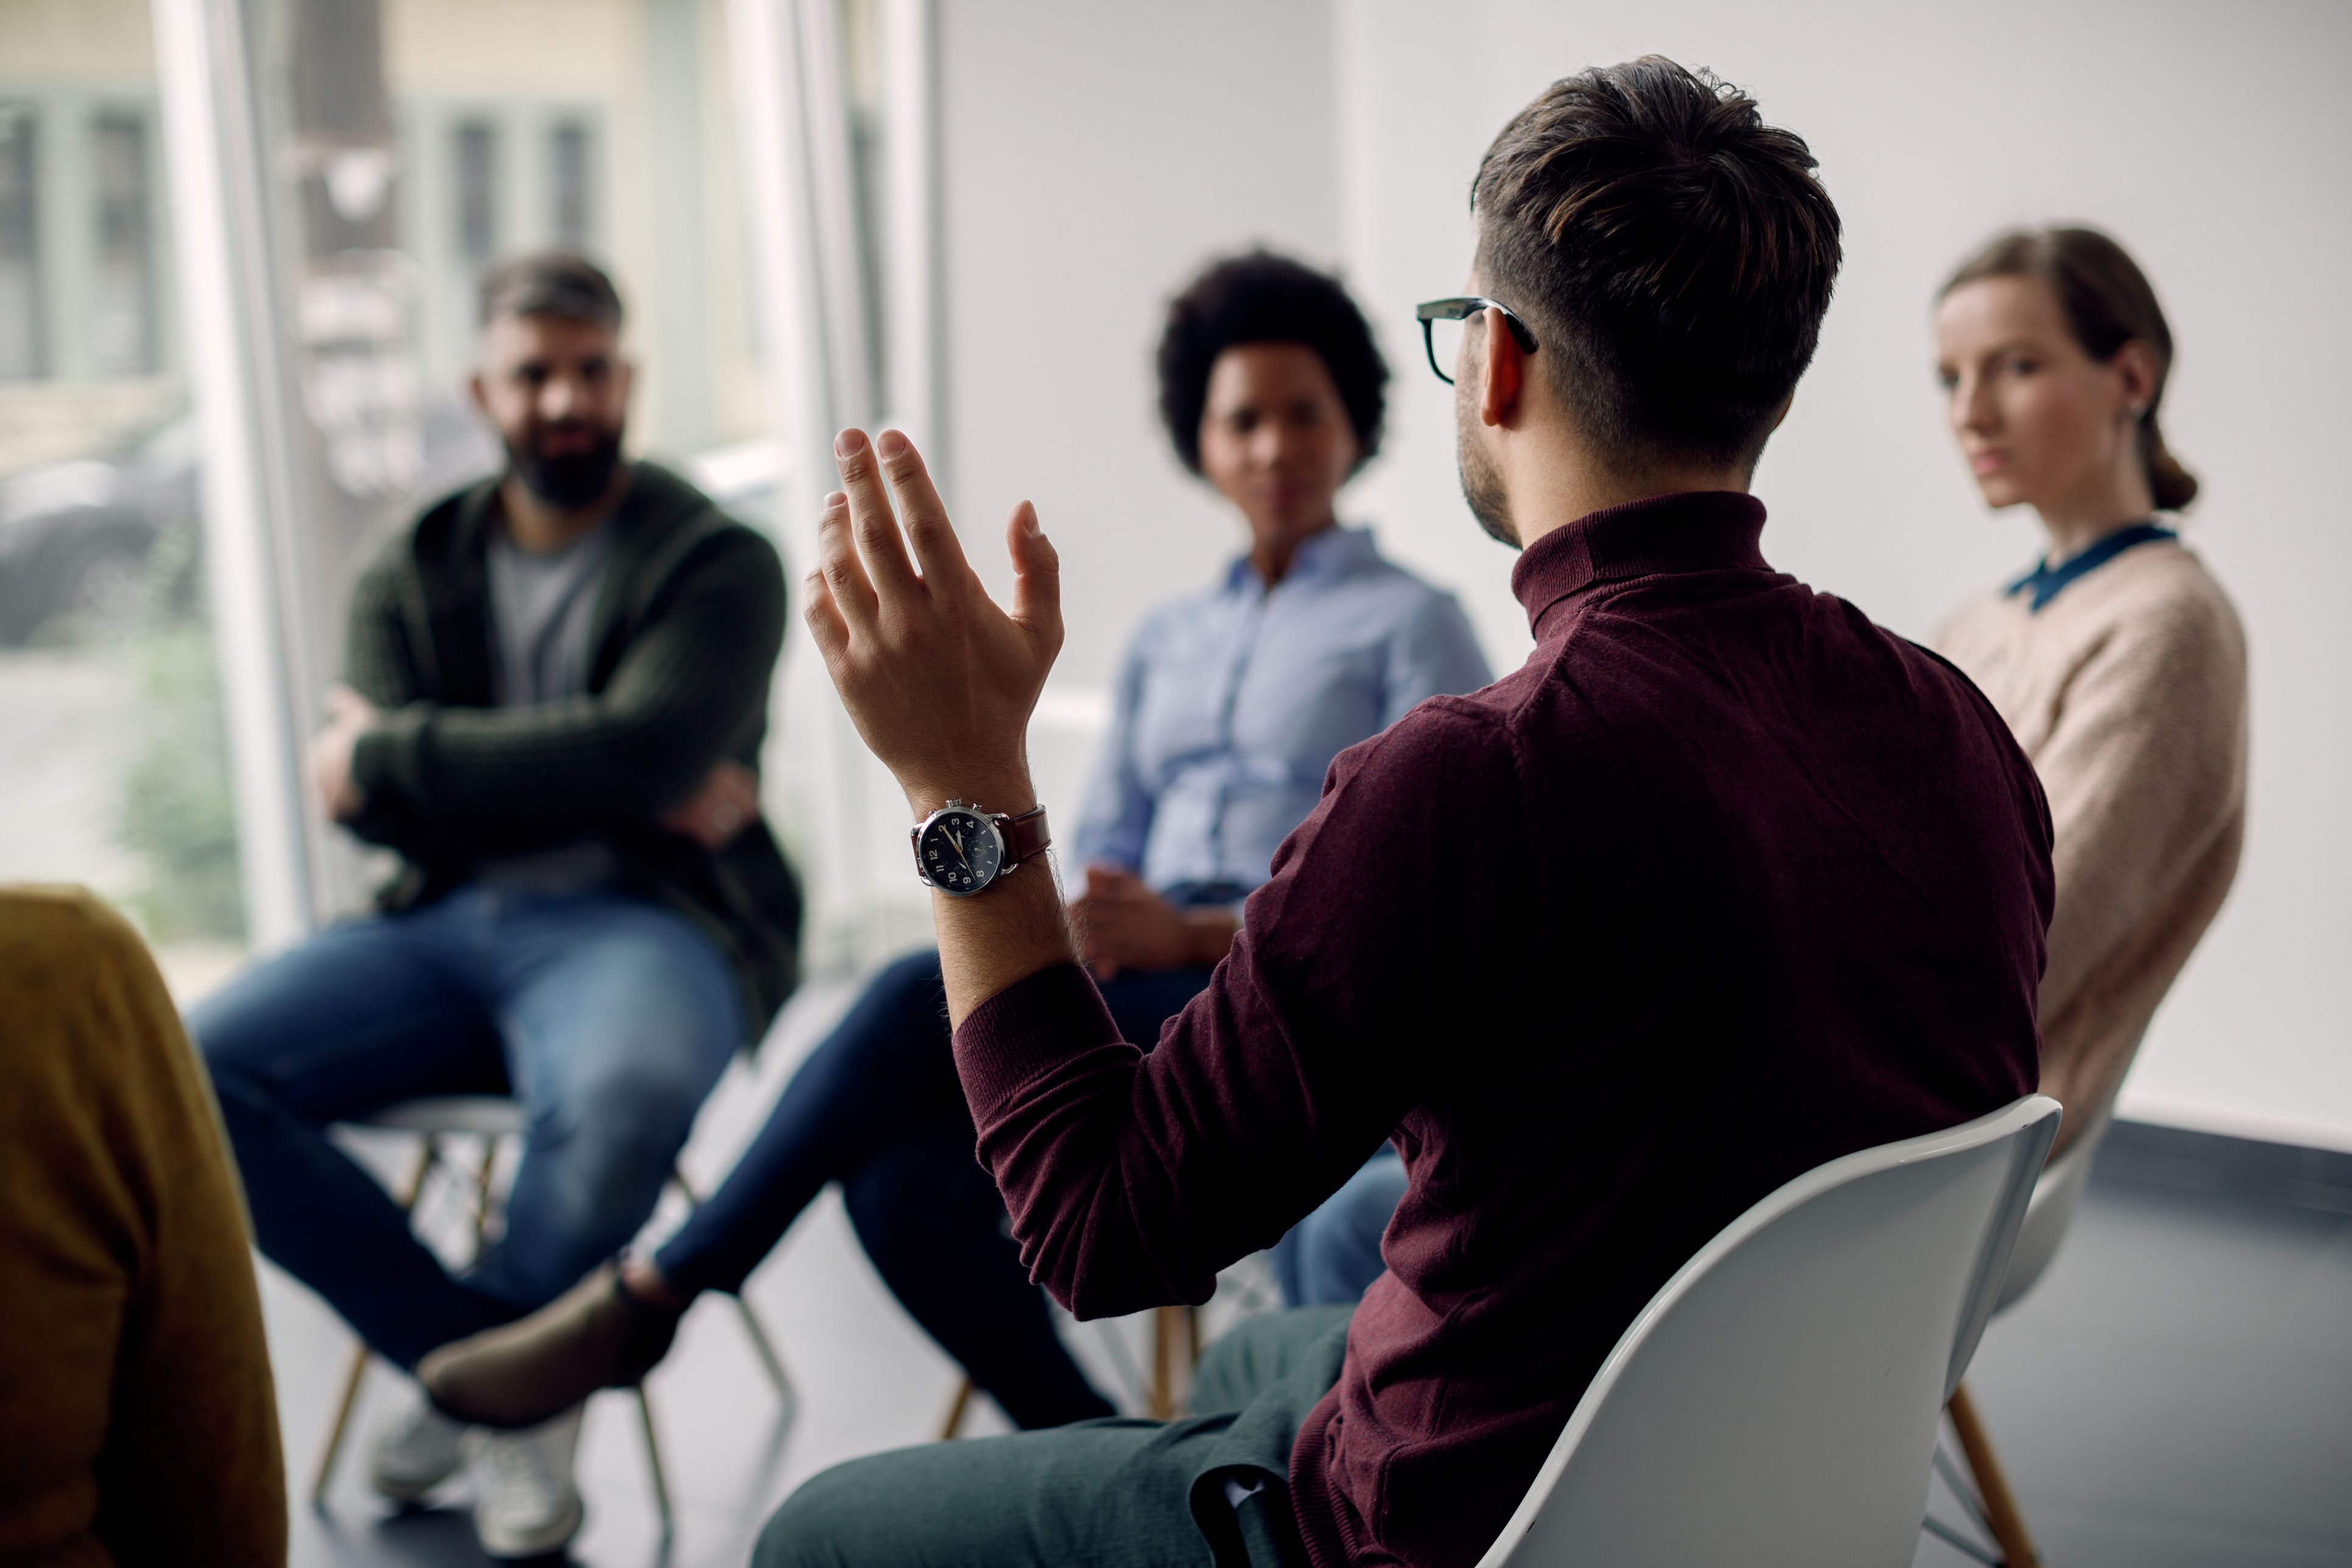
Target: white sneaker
(415, 1452)
(528, 1504)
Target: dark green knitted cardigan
(689, 626)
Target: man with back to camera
(1724, 883)
(558, 689)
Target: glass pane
(20, 260)
(122, 283)
(477, 195)
(115, 771)
(568, 179)
(411, 145)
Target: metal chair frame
(492, 1120)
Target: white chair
(491, 1119)
(2051, 1211)
(1777, 1402)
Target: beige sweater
(137, 1421)
(2129, 692)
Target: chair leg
(2002, 1516)
(1168, 1324)
(426, 1152)
(766, 1352)
(344, 1408)
(482, 1192)
(956, 1409)
(761, 1346)
(653, 1458)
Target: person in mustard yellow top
(139, 1425)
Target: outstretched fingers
(871, 522)
(849, 596)
(1036, 578)
(936, 550)
(825, 625)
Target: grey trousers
(1114, 1493)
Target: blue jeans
(878, 1107)
(1332, 1257)
(609, 1017)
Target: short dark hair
(1262, 297)
(2108, 302)
(1672, 252)
(551, 283)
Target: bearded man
(558, 691)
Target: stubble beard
(1482, 487)
(572, 479)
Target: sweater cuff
(1031, 1026)
(384, 758)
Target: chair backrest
(2056, 1196)
(1776, 1403)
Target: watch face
(959, 851)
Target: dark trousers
(1113, 1494)
(878, 1107)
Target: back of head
(551, 283)
(2108, 302)
(1672, 254)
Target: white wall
(2212, 141)
(1093, 157)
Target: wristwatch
(963, 849)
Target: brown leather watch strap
(1025, 836)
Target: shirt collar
(1696, 531)
(1334, 552)
(2046, 582)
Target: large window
(477, 153)
(404, 147)
(113, 759)
(570, 183)
(122, 281)
(20, 255)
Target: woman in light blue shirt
(1232, 701)
(1230, 706)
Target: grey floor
(2178, 1391)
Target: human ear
(1501, 370)
(2135, 371)
(1782, 411)
(478, 394)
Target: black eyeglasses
(1462, 310)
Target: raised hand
(939, 679)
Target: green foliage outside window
(178, 814)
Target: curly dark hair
(1263, 297)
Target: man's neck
(541, 529)
(1572, 486)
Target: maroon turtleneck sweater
(1724, 883)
